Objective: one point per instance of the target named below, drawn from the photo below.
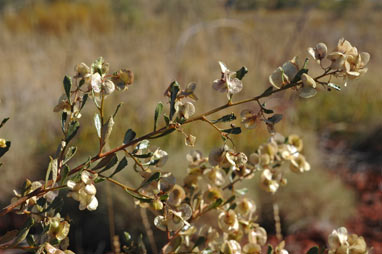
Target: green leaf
(138, 196)
(31, 240)
(216, 204)
(69, 154)
(84, 99)
(298, 76)
(233, 130)
(174, 89)
(334, 86)
(106, 130)
(241, 72)
(117, 108)
(127, 236)
(129, 136)
(226, 118)
(267, 111)
(72, 130)
(8, 236)
(64, 174)
(164, 197)
(99, 179)
(52, 170)
(3, 150)
(267, 92)
(158, 111)
(154, 177)
(57, 204)
(232, 206)
(121, 165)
(313, 250)
(98, 124)
(232, 198)
(166, 119)
(64, 116)
(88, 163)
(270, 249)
(201, 240)
(82, 82)
(68, 87)
(23, 232)
(275, 118)
(143, 156)
(4, 121)
(106, 163)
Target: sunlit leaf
(127, 236)
(52, 170)
(69, 154)
(98, 124)
(106, 131)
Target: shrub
(210, 185)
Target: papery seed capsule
(308, 80)
(157, 204)
(321, 50)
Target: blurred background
(166, 40)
